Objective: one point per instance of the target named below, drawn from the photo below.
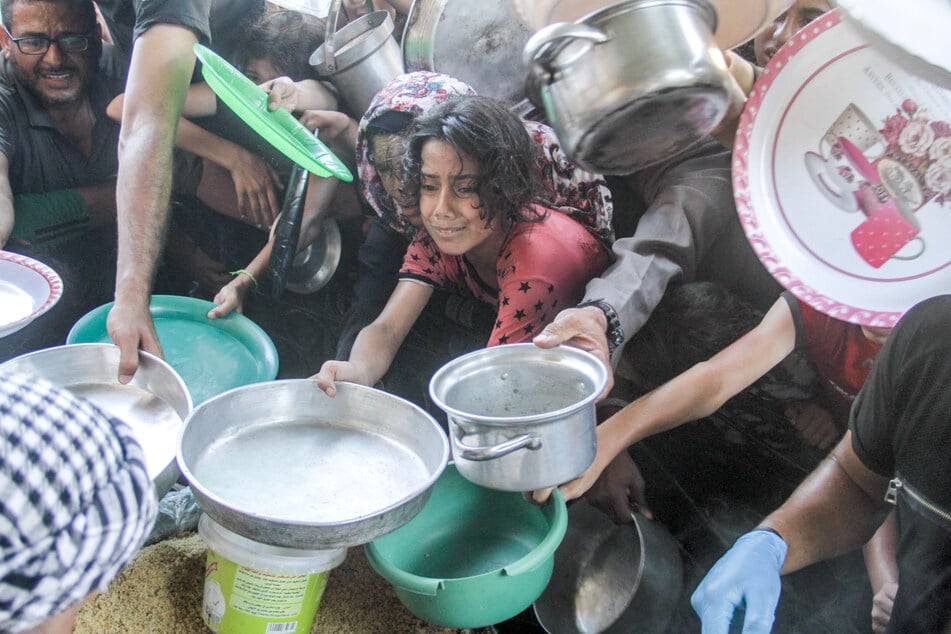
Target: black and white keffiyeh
(76, 501)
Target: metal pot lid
(316, 263)
(612, 578)
(738, 20)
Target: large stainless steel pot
(154, 404)
(284, 464)
(632, 84)
(521, 417)
(474, 41)
(359, 59)
(611, 578)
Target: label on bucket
(242, 600)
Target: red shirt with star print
(542, 268)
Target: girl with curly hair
(473, 172)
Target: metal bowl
(314, 265)
(155, 403)
(611, 578)
(284, 464)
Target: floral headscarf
(580, 194)
(414, 93)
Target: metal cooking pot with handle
(521, 417)
(359, 59)
(632, 84)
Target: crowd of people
(112, 150)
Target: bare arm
(6, 202)
(696, 393)
(377, 344)
(835, 510)
(161, 67)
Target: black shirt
(901, 426)
(41, 158)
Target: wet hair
(87, 10)
(496, 140)
(286, 39)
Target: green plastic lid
(211, 355)
(279, 128)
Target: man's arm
(6, 202)
(690, 204)
(159, 73)
(835, 510)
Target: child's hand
(281, 93)
(814, 423)
(230, 298)
(332, 371)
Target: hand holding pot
(747, 574)
(583, 328)
(612, 484)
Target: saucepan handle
(491, 452)
(542, 47)
(332, 15)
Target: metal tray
(284, 464)
(155, 403)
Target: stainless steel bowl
(315, 264)
(284, 464)
(155, 403)
(611, 578)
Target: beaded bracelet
(245, 272)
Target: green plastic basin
(211, 355)
(473, 556)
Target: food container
(632, 84)
(255, 588)
(282, 463)
(521, 417)
(359, 59)
(613, 578)
(154, 403)
(473, 556)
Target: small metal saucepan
(611, 578)
(631, 84)
(520, 417)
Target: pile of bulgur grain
(160, 593)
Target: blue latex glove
(746, 575)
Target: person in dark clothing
(895, 453)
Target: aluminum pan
(155, 403)
(284, 464)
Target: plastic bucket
(255, 588)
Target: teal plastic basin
(473, 556)
(211, 355)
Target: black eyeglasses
(38, 45)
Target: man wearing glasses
(58, 159)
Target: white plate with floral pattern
(842, 176)
(28, 289)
